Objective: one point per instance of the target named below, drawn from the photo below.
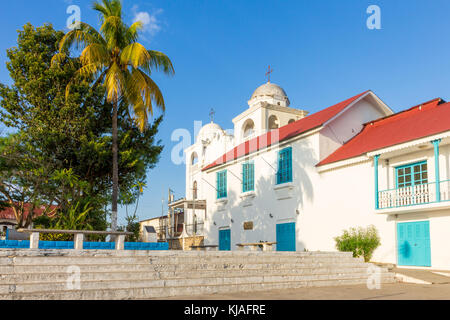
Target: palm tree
(113, 58)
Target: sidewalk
(397, 291)
(420, 276)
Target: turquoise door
(225, 240)
(286, 237)
(413, 242)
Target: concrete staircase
(47, 274)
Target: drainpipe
(436, 168)
(375, 165)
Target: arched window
(194, 158)
(291, 121)
(273, 123)
(194, 190)
(248, 128)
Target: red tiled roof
(8, 213)
(423, 120)
(289, 131)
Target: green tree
(114, 58)
(60, 151)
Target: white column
(34, 240)
(78, 241)
(120, 242)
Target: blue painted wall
(25, 244)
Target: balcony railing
(413, 195)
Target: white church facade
(299, 180)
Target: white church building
(299, 180)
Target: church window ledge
(284, 191)
(247, 198)
(221, 204)
(247, 194)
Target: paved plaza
(397, 291)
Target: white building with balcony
(300, 180)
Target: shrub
(75, 218)
(361, 241)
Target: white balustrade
(412, 195)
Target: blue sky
(321, 51)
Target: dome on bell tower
(271, 93)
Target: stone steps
(108, 275)
(43, 274)
(169, 267)
(162, 292)
(163, 283)
(25, 261)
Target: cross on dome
(212, 113)
(269, 71)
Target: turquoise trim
(375, 165)
(436, 168)
(284, 173)
(248, 176)
(222, 184)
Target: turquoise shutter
(244, 177)
(225, 185)
(284, 166)
(252, 176)
(248, 176)
(218, 184)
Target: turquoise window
(411, 174)
(221, 184)
(248, 176)
(284, 173)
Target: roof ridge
(440, 101)
(411, 124)
(286, 132)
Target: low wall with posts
(79, 243)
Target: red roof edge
(424, 104)
(428, 105)
(286, 132)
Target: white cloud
(150, 20)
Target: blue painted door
(286, 237)
(225, 240)
(413, 242)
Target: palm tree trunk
(115, 187)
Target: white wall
(266, 198)
(347, 125)
(322, 204)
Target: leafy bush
(74, 219)
(361, 241)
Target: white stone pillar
(120, 242)
(34, 240)
(78, 241)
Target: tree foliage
(59, 151)
(112, 58)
